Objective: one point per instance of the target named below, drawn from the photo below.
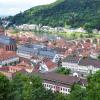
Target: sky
(12, 7)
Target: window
(49, 86)
(44, 85)
(68, 90)
(53, 86)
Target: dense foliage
(93, 87)
(62, 70)
(78, 93)
(77, 13)
(4, 87)
(29, 87)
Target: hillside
(77, 13)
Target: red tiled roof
(49, 63)
(10, 75)
(24, 65)
(6, 54)
(16, 67)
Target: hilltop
(76, 13)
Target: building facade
(8, 58)
(7, 43)
(60, 83)
(81, 66)
(29, 50)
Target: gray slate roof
(40, 50)
(83, 61)
(7, 40)
(90, 62)
(71, 59)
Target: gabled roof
(63, 79)
(89, 62)
(49, 63)
(10, 75)
(72, 59)
(7, 40)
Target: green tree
(93, 87)
(77, 93)
(98, 57)
(4, 88)
(76, 13)
(60, 96)
(33, 85)
(62, 70)
(17, 85)
(42, 94)
(24, 86)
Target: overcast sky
(12, 7)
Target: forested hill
(77, 13)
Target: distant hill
(77, 13)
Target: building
(50, 53)
(81, 66)
(8, 58)
(22, 67)
(28, 27)
(89, 65)
(29, 50)
(8, 72)
(7, 43)
(60, 83)
(47, 65)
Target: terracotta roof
(24, 65)
(36, 68)
(9, 70)
(10, 75)
(49, 63)
(61, 43)
(4, 68)
(35, 57)
(6, 54)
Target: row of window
(78, 69)
(46, 85)
(10, 63)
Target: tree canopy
(64, 71)
(93, 87)
(4, 87)
(77, 13)
(29, 87)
